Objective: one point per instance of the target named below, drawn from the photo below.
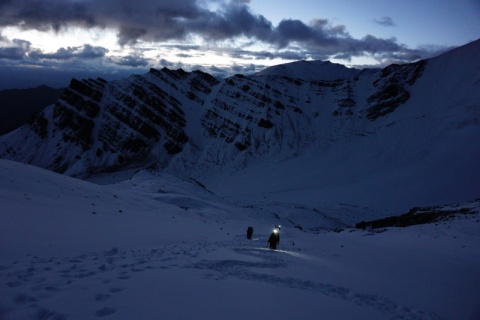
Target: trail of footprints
(30, 282)
(27, 282)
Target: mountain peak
(311, 70)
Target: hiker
(249, 233)
(274, 238)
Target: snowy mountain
(403, 136)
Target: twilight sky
(51, 41)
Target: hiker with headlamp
(274, 238)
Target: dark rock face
(134, 117)
(76, 109)
(418, 215)
(39, 124)
(114, 124)
(392, 88)
(149, 113)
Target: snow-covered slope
(309, 134)
(158, 247)
(425, 152)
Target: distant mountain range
(335, 131)
(17, 105)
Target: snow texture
(158, 247)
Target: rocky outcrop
(421, 215)
(98, 125)
(392, 88)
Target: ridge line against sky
(51, 41)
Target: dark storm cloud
(184, 55)
(294, 30)
(130, 35)
(236, 20)
(166, 22)
(183, 47)
(18, 49)
(385, 21)
(219, 72)
(249, 68)
(14, 50)
(130, 61)
(83, 52)
(43, 15)
(162, 20)
(12, 53)
(166, 63)
(285, 54)
(375, 45)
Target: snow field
(163, 248)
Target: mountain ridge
(192, 124)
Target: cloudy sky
(51, 41)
